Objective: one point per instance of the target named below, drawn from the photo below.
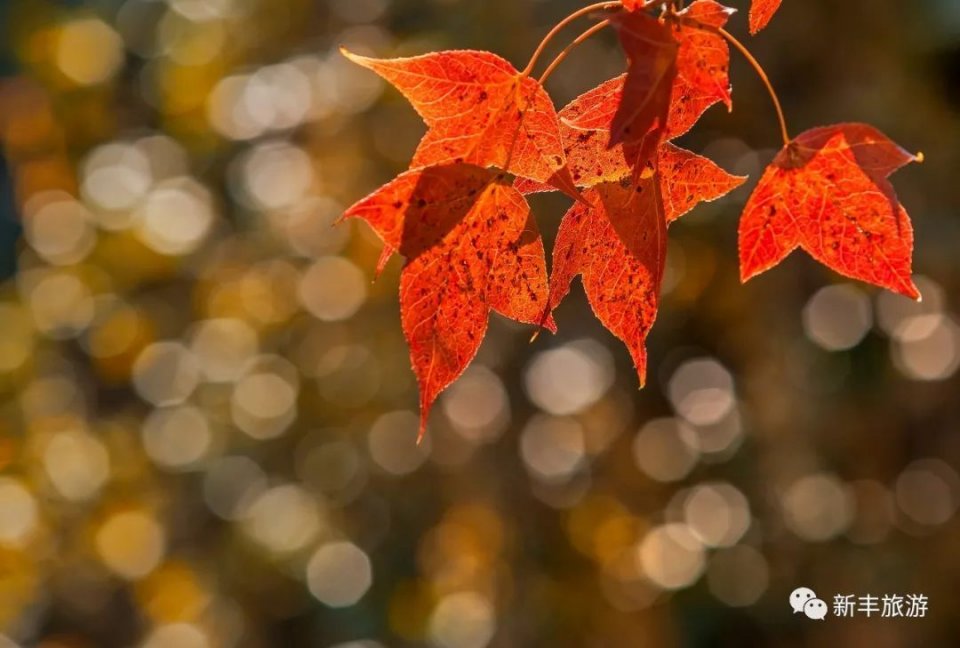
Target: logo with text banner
(804, 600)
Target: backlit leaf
(618, 246)
(827, 192)
(686, 178)
(628, 112)
(480, 110)
(471, 245)
(761, 12)
(703, 67)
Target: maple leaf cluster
(460, 218)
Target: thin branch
(761, 73)
(559, 27)
(599, 6)
(600, 26)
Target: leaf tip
(354, 58)
(546, 323)
(642, 376)
(550, 325)
(639, 354)
(907, 289)
(422, 432)
(563, 180)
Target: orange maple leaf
(827, 192)
(641, 103)
(471, 245)
(686, 178)
(619, 247)
(701, 79)
(703, 66)
(761, 12)
(480, 110)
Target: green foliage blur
(207, 415)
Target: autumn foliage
(471, 244)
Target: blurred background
(206, 406)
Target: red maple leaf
(683, 69)
(619, 243)
(641, 103)
(827, 192)
(700, 80)
(616, 243)
(480, 110)
(471, 245)
(686, 178)
(619, 247)
(761, 11)
(703, 66)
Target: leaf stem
(598, 6)
(760, 72)
(569, 48)
(560, 26)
